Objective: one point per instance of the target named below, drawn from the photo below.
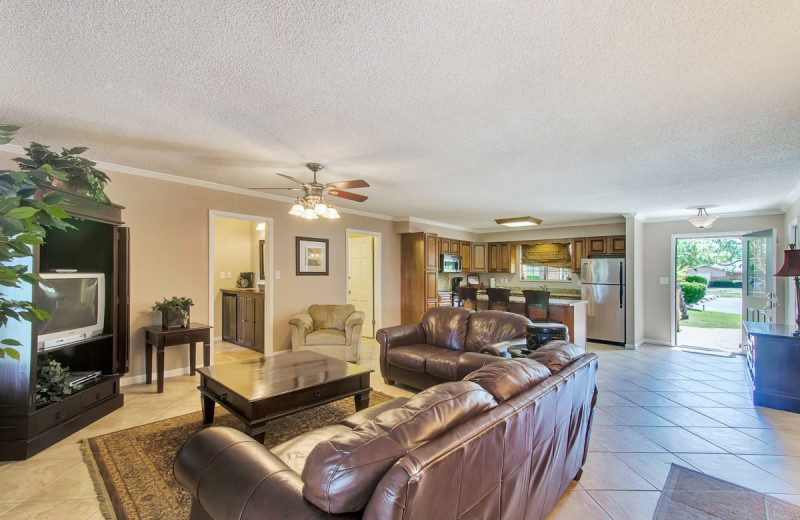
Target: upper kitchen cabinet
(613, 245)
(455, 247)
(596, 246)
(502, 257)
(431, 255)
(465, 248)
(616, 245)
(478, 259)
(443, 245)
(578, 253)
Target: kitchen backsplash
(571, 287)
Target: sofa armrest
(398, 336)
(501, 348)
(231, 475)
(301, 325)
(469, 362)
(352, 327)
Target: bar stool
(538, 300)
(498, 299)
(468, 297)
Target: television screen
(72, 303)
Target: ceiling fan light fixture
(332, 213)
(309, 214)
(321, 208)
(519, 221)
(702, 220)
(297, 209)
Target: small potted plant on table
(174, 312)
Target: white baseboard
(217, 338)
(629, 346)
(653, 342)
(141, 378)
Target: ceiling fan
(313, 205)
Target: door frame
(376, 272)
(269, 273)
(673, 279)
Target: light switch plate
(222, 275)
(663, 280)
(277, 275)
(228, 275)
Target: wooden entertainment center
(99, 245)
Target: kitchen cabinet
(455, 247)
(578, 253)
(478, 260)
(465, 249)
(419, 268)
(502, 257)
(612, 245)
(444, 245)
(445, 299)
(616, 245)
(596, 245)
(243, 318)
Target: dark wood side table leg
(160, 369)
(192, 357)
(362, 401)
(148, 363)
(207, 405)
(207, 352)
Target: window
(545, 262)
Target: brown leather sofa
(427, 353)
(502, 444)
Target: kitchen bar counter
(571, 313)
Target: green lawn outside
(712, 320)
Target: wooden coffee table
(263, 389)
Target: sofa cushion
(294, 452)
(372, 411)
(555, 355)
(412, 357)
(326, 337)
(487, 327)
(443, 365)
(505, 379)
(446, 326)
(342, 472)
(330, 316)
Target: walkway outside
(715, 338)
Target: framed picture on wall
(312, 256)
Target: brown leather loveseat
(504, 443)
(427, 353)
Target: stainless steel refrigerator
(603, 286)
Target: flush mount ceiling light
(313, 204)
(702, 220)
(519, 221)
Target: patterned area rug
(689, 495)
(132, 469)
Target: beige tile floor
(657, 405)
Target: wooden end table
(257, 391)
(159, 337)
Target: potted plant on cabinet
(174, 312)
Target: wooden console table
(159, 337)
(773, 365)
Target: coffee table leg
(362, 401)
(207, 404)
(259, 437)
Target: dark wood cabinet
(773, 365)
(596, 246)
(418, 276)
(612, 245)
(243, 318)
(502, 257)
(97, 244)
(578, 253)
(616, 245)
(478, 261)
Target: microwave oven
(449, 264)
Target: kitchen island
(571, 313)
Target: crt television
(76, 305)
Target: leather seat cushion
(443, 365)
(446, 326)
(487, 327)
(342, 472)
(555, 355)
(295, 451)
(367, 414)
(412, 357)
(326, 337)
(330, 316)
(505, 379)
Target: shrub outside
(693, 292)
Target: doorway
(240, 259)
(363, 277)
(708, 292)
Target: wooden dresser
(773, 365)
(243, 318)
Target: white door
(361, 281)
(758, 283)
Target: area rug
(132, 469)
(689, 495)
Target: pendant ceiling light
(702, 220)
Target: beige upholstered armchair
(333, 330)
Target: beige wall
(232, 254)
(169, 255)
(657, 257)
(791, 220)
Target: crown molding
(150, 174)
(416, 220)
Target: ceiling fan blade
(298, 181)
(290, 189)
(347, 195)
(346, 185)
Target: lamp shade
(702, 220)
(791, 263)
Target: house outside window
(540, 262)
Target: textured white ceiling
(454, 111)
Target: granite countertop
(521, 299)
